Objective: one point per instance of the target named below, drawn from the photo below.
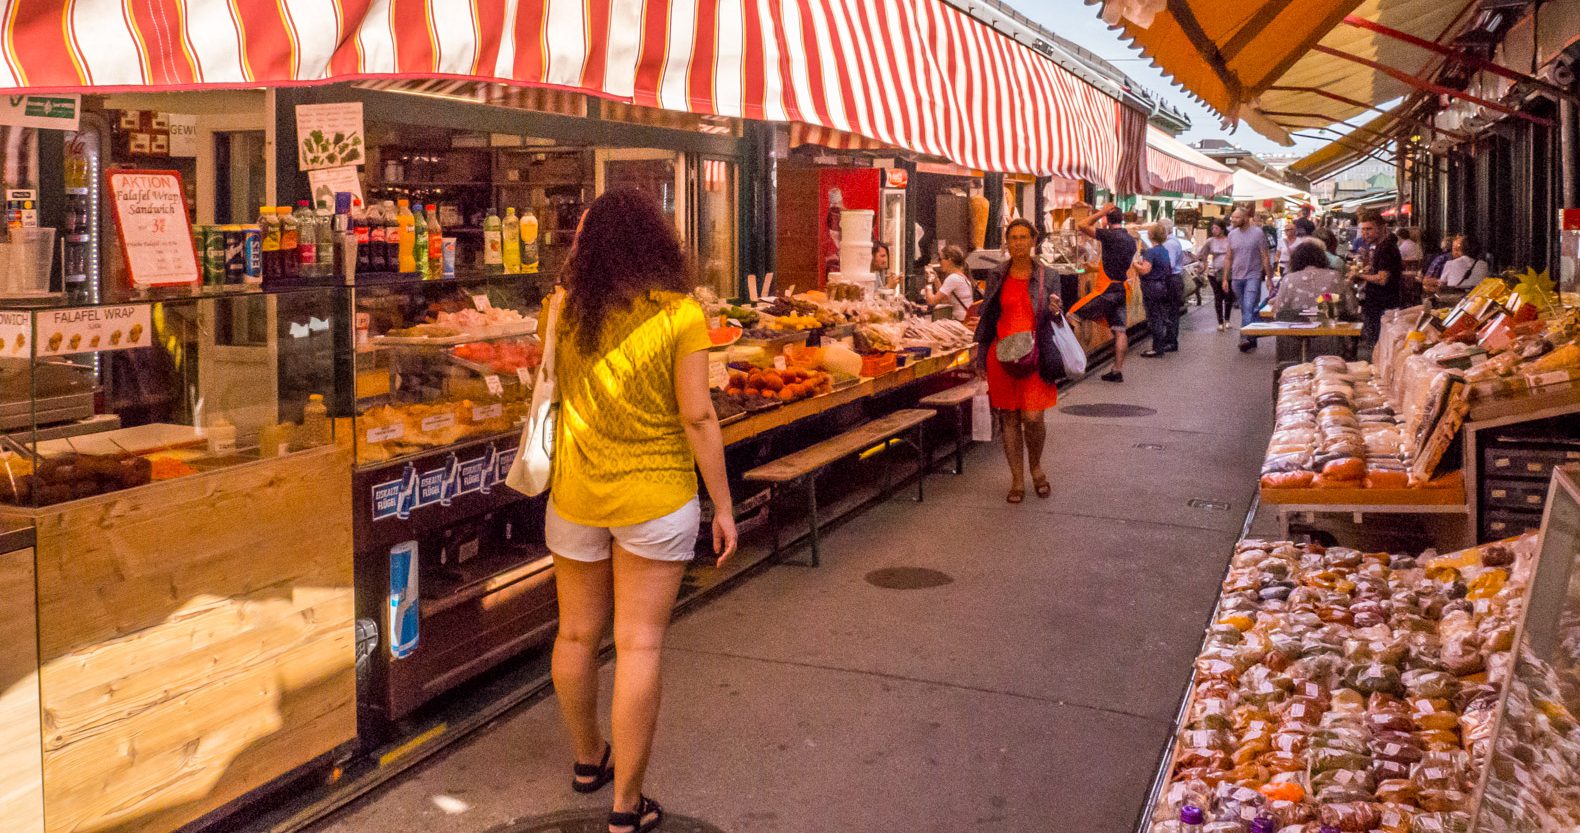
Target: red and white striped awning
(1175, 166)
(913, 74)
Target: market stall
(1456, 413)
(1368, 691)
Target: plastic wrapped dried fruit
(1376, 677)
(1396, 790)
(1402, 748)
(1441, 823)
(1435, 685)
(1324, 759)
(1395, 817)
(1351, 817)
(1441, 801)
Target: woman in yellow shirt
(636, 423)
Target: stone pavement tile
(763, 747)
(1064, 608)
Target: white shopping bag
(1070, 349)
(981, 416)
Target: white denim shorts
(670, 538)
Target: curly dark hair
(1310, 254)
(624, 249)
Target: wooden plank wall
(21, 775)
(196, 640)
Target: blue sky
(1080, 23)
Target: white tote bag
(981, 415)
(534, 463)
(1070, 349)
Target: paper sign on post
(326, 182)
(329, 135)
(150, 210)
(53, 112)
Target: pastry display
(1357, 691)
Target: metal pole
(1566, 152)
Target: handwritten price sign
(150, 209)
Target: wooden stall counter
(21, 767)
(195, 641)
(764, 421)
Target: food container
(25, 262)
(877, 364)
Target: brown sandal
(1016, 495)
(1042, 487)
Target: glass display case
(450, 563)
(96, 398)
(441, 362)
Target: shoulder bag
(534, 463)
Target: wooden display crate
(196, 640)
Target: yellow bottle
(510, 237)
(529, 242)
(408, 235)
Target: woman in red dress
(1013, 304)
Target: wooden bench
(957, 399)
(808, 463)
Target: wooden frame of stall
(195, 641)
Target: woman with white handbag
(635, 423)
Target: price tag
(524, 376)
(779, 362)
(437, 422)
(495, 386)
(482, 303)
(387, 433)
(484, 413)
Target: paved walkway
(1032, 693)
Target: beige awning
(1259, 62)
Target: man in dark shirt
(1383, 277)
(1119, 248)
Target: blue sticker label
(441, 485)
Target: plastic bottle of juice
(391, 237)
(290, 236)
(529, 242)
(493, 241)
(408, 231)
(306, 240)
(329, 231)
(419, 244)
(435, 244)
(269, 229)
(510, 240)
(364, 235)
(375, 215)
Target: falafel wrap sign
(62, 332)
(150, 210)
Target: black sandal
(644, 806)
(601, 773)
(1043, 487)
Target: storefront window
(716, 227)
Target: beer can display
(213, 255)
(235, 263)
(252, 254)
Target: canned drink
(447, 257)
(235, 255)
(213, 255)
(199, 246)
(252, 254)
(404, 600)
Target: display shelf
(450, 587)
(790, 412)
(1552, 400)
(1448, 490)
(407, 183)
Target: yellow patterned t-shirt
(622, 456)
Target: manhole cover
(1203, 503)
(907, 578)
(1107, 409)
(597, 821)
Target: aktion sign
(150, 210)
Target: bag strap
(551, 332)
